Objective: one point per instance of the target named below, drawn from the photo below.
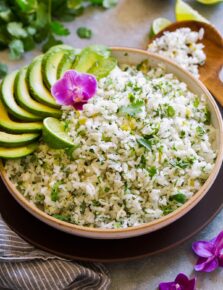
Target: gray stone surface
(128, 25)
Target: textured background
(128, 25)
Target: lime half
(158, 25)
(186, 12)
(209, 2)
(54, 134)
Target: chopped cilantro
(196, 102)
(207, 113)
(179, 197)
(61, 217)
(182, 134)
(152, 171)
(170, 111)
(95, 202)
(55, 191)
(83, 207)
(145, 143)
(133, 109)
(84, 32)
(200, 131)
(183, 163)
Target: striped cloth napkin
(23, 267)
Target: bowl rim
(146, 227)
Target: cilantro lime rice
(143, 147)
(183, 46)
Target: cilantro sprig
(24, 24)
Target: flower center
(78, 94)
(178, 286)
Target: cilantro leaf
(152, 171)
(170, 111)
(59, 29)
(104, 3)
(74, 4)
(132, 109)
(16, 29)
(3, 70)
(27, 6)
(84, 32)
(61, 217)
(145, 143)
(179, 197)
(55, 191)
(16, 49)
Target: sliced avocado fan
(25, 100)
(8, 99)
(17, 127)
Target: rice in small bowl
(148, 147)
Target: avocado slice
(67, 62)
(86, 60)
(8, 99)
(10, 153)
(17, 127)
(103, 67)
(13, 140)
(24, 99)
(36, 86)
(50, 64)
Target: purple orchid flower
(74, 89)
(210, 254)
(180, 283)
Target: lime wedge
(54, 134)
(186, 12)
(158, 25)
(209, 2)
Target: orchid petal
(79, 106)
(74, 89)
(220, 260)
(203, 249)
(168, 286)
(206, 265)
(62, 95)
(219, 243)
(181, 283)
(181, 279)
(191, 284)
(184, 282)
(88, 83)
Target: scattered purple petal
(74, 89)
(210, 254)
(182, 282)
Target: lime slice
(185, 12)
(158, 25)
(54, 134)
(209, 2)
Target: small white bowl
(135, 56)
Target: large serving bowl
(135, 56)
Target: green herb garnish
(84, 32)
(132, 109)
(179, 197)
(55, 191)
(61, 217)
(25, 23)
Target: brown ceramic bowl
(135, 56)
